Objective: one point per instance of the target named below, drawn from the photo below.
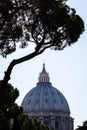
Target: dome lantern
(43, 76)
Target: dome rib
(41, 97)
(50, 97)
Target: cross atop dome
(44, 70)
(43, 64)
(44, 76)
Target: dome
(45, 97)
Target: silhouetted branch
(15, 62)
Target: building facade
(47, 104)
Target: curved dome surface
(45, 97)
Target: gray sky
(67, 70)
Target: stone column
(71, 120)
(53, 121)
(62, 124)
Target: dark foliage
(84, 127)
(28, 123)
(9, 110)
(47, 23)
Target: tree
(84, 127)
(28, 123)
(9, 110)
(44, 23)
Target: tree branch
(15, 62)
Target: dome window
(37, 101)
(29, 101)
(62, 101)
(55, 100)
(45, 92)
(46, 100)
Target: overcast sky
(67, 70)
